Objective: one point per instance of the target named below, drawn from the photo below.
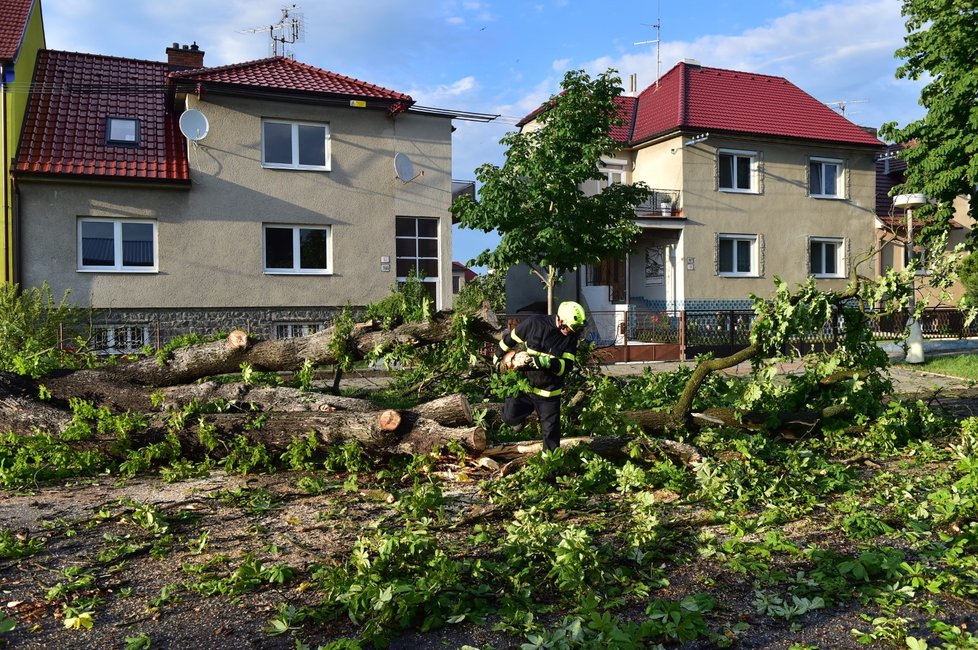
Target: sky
(505, 57)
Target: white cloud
(444, 94)
(841, 51)
(560, 65)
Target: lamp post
(915, 337)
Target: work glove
(543, 361)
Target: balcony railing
(661, 203)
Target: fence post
(682, 335)
(730, 328)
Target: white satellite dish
(193, 125)
(404, 168)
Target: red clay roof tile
(75, 94)
(13, 24)
(711, 99)
(692, 97)
(282, 73)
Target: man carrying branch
(549, 350)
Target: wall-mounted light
(689, 143)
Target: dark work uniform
(540, 337)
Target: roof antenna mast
(289, 30)
(657, 26)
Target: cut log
(238, 340)
(450, 411)
(264, 398)
(389, 420)
(278, 430)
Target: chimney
(185, 57)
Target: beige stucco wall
(210, 236)
(781, 214)
(891, 255)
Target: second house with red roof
(753, 178)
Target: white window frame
(295, 164)
(840, 256)
(121, 339)
(614, 171)
(122, 122)
(840, 171)
(118, 266)
(296, 330)
(754, 181)
(296, 250)
(754, 257)
(417, 259)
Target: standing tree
(941, 156)
(535, 201)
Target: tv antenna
(657, 26)
(290, 29)
(842, 103)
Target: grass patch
(956, 365)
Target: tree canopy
(942, 146)
(535, 201)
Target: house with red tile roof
(753, 178)
(266, 195)
(21, 36)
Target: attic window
(122, 130)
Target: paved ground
(951, 395)
(906, 378)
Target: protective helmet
(572, 314)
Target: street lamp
(915, 337)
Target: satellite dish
(404, 168)
(193, 125)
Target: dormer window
(122, 131)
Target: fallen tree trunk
(276, 431)
(264, 398)
(185, 365)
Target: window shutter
(760, 255)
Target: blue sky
(506, 56)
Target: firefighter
(549, 348)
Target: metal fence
(682, 334)
(690, 333)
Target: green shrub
(32, 325)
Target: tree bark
(277, 430)
(226, 357)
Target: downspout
(6, 276)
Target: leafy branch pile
(866, 516)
